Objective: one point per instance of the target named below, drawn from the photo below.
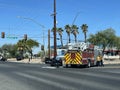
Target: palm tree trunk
(61, 41)
(69, 38)
(75, 38)
(85, 36)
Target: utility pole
(55, 43)
(49, 44)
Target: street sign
(12, 37)
(58, 46)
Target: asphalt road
(18, 76)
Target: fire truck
(80, 54)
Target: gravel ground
(114, 61)
(26, 60)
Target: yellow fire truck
(80, 54)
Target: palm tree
(75, 31)
(68, 31)
(84, 28)
(52, 30)
(21, 47)
(60, 30)
(26, 46)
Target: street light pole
(55, 43)
(43, 27)
(32, 21)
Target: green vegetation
(84, 28)
(22, 47)
(8, 50)
(26, 46)
(60, 32)
(103, 38)
(68, 31)
(75, 31)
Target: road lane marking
(46, 81)
(48, 67)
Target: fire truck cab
(80, 54)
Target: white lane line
(48, 67)
(46, 81)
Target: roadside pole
(49, 44)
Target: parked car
(47, 60)
(18, 58)
(56, 61)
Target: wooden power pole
(55, 42)
(49, 44)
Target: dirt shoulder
(112, 61)
(36, 60)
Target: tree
(52, 30)
(105, 38)
(32, 43)
(9, 49)
(93, 39)
(26, 46)
(75, 31)
(117, 43)
(68, 31)
(60, 32)
(84, 28)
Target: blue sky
(97, 14)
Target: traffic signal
(2, 34)
(25, 36)
(42, 47)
